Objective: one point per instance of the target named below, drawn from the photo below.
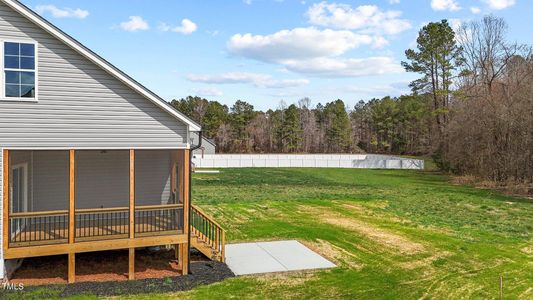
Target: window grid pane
(19, 57)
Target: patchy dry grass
(393, 234)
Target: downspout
(190, 199)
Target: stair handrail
(208, 217)
(216, 234)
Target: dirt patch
(356, 208)
(381, 236)
(286, 279)
(385, 238)
(527, 250)
(98, 267)
(424, 262)
(334, 253)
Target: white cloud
(455, 24)
(499, 4)
(208, 91)
(62, 12)
(187, 27)
(475, 10)
(394, 1)
(450, 5)
(255, 79)
(349, 67)
(314, 52)
(298, 43)
(379, 42)
(368, 18)
(135, 23)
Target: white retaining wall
(361, 161)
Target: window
(19, 70)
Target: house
(91, 160)
(208, 146)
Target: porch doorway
(19, 194)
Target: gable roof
(99, 61)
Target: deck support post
(5, 202)
(131, 264)
(71, 217)
(186, 209)
(183, 259)
(131, 259)
(71, 267)
(132, 194)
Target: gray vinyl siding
(152, 177)
(208, 146)
(50, 180)
(79, 104)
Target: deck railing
(52, 227)
(158, 219)
(38, 228)
(208, 231)
(101, 223)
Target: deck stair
(207, 236)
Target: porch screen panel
(39, 187)
(102, 179)
(157, 208)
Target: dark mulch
(202, 273)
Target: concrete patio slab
(268, 257)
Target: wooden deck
(72, 231)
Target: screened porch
(72, 196)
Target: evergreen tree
(338, 129)
(242, 114)
(436, 58)
(215, 116)
(292, 130)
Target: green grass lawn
(393, 234)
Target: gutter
(190, 199)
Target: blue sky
(265, 51)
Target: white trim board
(99, 61)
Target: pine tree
(293, 131)
(338, 129)
(436, 58)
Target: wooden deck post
(131, 264)
(186, 210)
(71, 267)
(131, 260)
(71, 207)
(71, 217)
(132, 194)
(5, 206)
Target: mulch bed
(107, 275)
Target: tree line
(471, 110)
